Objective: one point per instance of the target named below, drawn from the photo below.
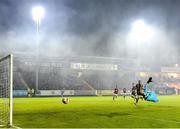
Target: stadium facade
(90, 74)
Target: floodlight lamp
(141, 31)
(37, 13)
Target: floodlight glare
(141, 31)
(38, 13)
(139, 25)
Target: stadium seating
(54, 78)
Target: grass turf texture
(96, 112)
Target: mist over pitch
(93, 28)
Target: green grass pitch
(96, 112)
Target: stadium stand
(85, 73)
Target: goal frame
(10, 85)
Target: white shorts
(115, 94)
(123, 94)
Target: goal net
(6, 90)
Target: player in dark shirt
(115, 95)
(140, 92)
(134, 90)
(124, 92)
(140, 89)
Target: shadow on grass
(113, 114)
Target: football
(65, 100)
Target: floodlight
(141, 31)
(38, 13)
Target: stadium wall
(55, 92)
(85, 92)
(43, 93)
(19, 93)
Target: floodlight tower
(37, 14)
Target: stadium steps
(87, 84)
(90, 87)
(77, 82)
(23, 81)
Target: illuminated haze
(93, 28)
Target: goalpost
(6, 90)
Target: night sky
(90, 27)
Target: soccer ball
(65, 100)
